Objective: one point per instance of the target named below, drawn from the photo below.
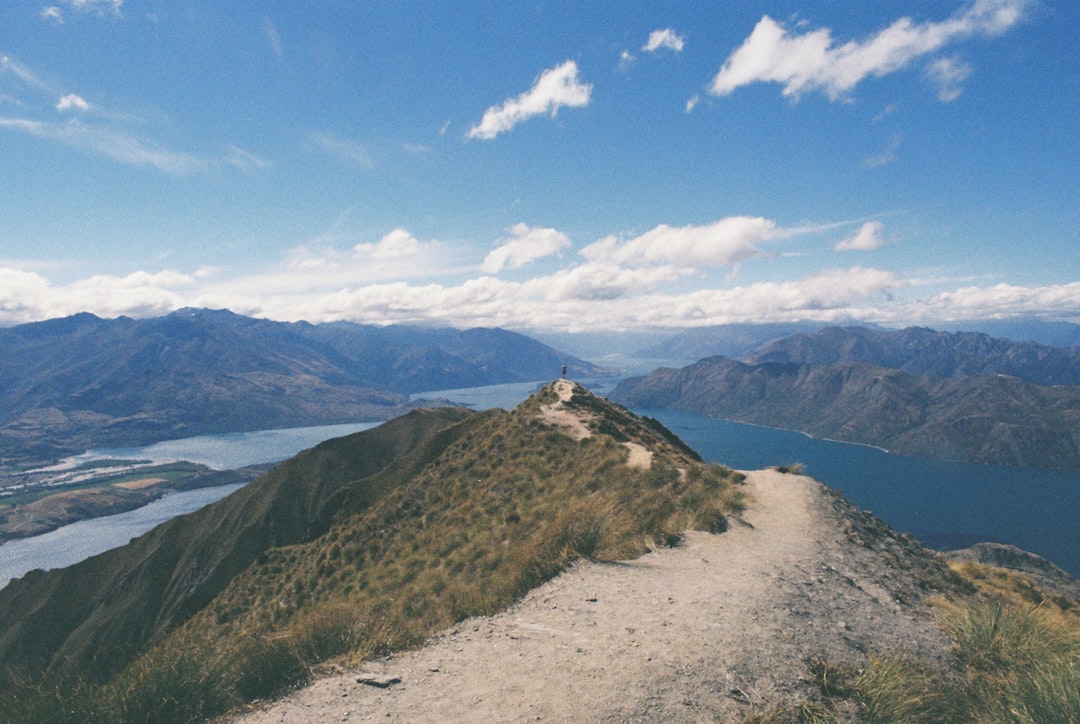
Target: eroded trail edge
(718, 628)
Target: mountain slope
(1000, 420)
(68, 384)
(97, 614)
(367, 542)
(919, 351)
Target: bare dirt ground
(717, 629)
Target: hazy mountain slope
(1001, 420)
(70, 383)
(729, 340)
(97, 614)
(920, 351)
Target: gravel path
(716, 629)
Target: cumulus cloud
(72, 102)
(27, 296)
(666, 38)
(556, 88)
(722, 243)
(52, 14)
(395, 245)
(811, 61)
(867, 238)
(525, 245)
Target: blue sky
(541, 166)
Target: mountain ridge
(74, 383)
(997, 420)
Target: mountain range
(69, 384)
(959, 396)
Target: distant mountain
(67, 384)
(1051, 334)
(989, 419)
(366, 542)
(921, 351)
(728, 340)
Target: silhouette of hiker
(564, 370)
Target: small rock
(380, 680)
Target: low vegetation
(504, 502)
(1016, 660)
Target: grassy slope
(94, 617)
(480, 513)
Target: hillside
(719, 628)
(69, 384)
(367, 542)
(999, 420)
(919, 352)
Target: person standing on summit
(564, 370)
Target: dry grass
(507, 504)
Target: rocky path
(715, 630)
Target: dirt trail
(714, 630)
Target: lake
(77, 541)
(943, 504)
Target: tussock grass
(504, 503)
(1016, 661)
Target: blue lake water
(227, 451)
(72, 543)
(78, 541)
(943, 504)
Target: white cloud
(590, 296)
(113, 143)
(342, 149)
(722, 243)
(556, 88)
(887, 156)
(273, 38)
(867, 238)
(52, 14)
(811, 61)
(666, 38)
(245, 160)
(99, 7)
(526, 245)
(947, 74)
(395, 245)
(72, 102)
(626, 60)
(27, 296)
(20, 71)
(692, 103)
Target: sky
(542, 166)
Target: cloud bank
(669, 276)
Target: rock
(380, 680)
